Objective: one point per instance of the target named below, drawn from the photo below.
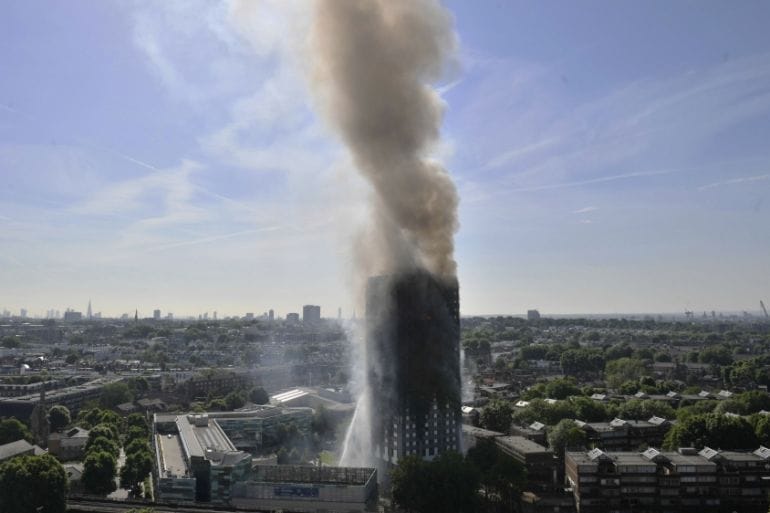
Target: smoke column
(373, 61)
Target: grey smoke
(374, 61)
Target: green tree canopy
(12, 429)
(109, 431)
(10, 342)
(643, 409)
(235, 400)
(566, 435)
(447, 484)
(33, 484)
(58, 417)
(102, 444)
(501, 476)
(623, 369)
(561, 388)
(259, 396)
(136, 419)
(496, 416)
(114, 394)
(137, 467)
(99, 469)
(712, 430)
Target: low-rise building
(308, 489)
(68, 445)
(19, 448)
(684, 481)
(538, 460)
(626, 435)
(195, 460)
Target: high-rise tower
(413, 364)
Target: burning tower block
(413, 361)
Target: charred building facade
(413, 363)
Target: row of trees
(138, 464)
(102, 451)
(719, 432)
(107, 433)
(451, 482)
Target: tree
(500, 475)
(455, 484)
(10, 342)
(137, 433)
(322, 423)
(137, 420)
(33, 484)
(259, 396)
(138, 386)
(99, 470)
(409, 483)
(136, 446)
(712, 430)
(12, 429)
(497, 416)
(137, 467)
(235, 400)
(622, 369)
(561, 388)
(578, 362)
(71, 358)
(102, 444)
(107, 431)
(566, 435)
(446, 484)
(89, 418)
(59, 417)
(114, 394)
(643, 409)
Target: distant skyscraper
(249, 316)
(311, 314)
(215, 315)
(292, 317)
(156, 314)
(339, 313)
(23, 313)
(71, 315)
(89, 314)
(271, 315)
(533, 315)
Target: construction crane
(762, 304)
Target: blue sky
(610, 157)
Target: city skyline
(150, 152)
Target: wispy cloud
(663, 121)
(585, 210)
(215, 238)
(734, 181)
(518, 152)
(580, 183)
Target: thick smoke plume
(373, 63)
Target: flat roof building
(198, 461)
(683, 481)
(308, 489)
